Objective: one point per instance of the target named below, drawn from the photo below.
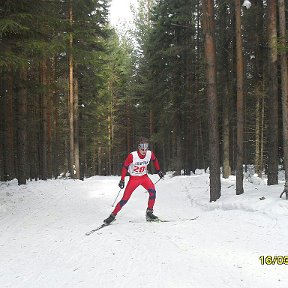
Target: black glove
(121, 184)
(160, 174)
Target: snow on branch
(247, 4)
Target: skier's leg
(150, 187)
(131, 186)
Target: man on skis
(136, 164)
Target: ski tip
(96, 229)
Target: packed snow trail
(43, 242)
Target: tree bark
(71, 96)
(258, 168)
(76, 130)
(49, 96)
(22, 130)
(44, 118)
(284, 88)
(2, 129)
(9, 130)
(273, 128)
(226, 134)
(258, 35)
(210, 54)
(240, 101)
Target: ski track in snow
(43, 242)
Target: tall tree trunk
(49, 96)
(177, 145)
(9, 130)
(258, 35)
(22, 130)
(76, 130)
(71, 95)
(151, 122)
(284, 89)
(128, 125)
(83, 158)
(2, 129)
(258, 167)
(33, 151)
(43, 130)
(56, 138)
(262, 133)
(273, 133)
(226, 133)
(225, 79)
(99, 161)
(188, 124)
(110, 131)
(199, 122)
(55, 155)
(210, 54)
(240, 101)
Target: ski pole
(116, 197)
(146, 191)
(157, 181)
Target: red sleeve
(125, 166)
(155, 162)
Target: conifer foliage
(176, 86)
(201, 79)
(51, 50)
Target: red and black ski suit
(136, 164)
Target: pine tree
(273, 130)
(210, 54)
(284, 86)
(240, 101)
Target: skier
(136, 164)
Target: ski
(96, 229)
(178, 220)
(165, 220)
(131, 221)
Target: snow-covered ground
(43, 242)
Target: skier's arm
(155, 162)
(125, 166)
(156, 165)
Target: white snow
(43, 242)
(247, 4)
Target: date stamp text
(273, 260)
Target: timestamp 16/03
(273, 260)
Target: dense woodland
(204, 80)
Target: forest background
(205, 81)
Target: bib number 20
(139, 169)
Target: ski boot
(110, 219)
(150, 217)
